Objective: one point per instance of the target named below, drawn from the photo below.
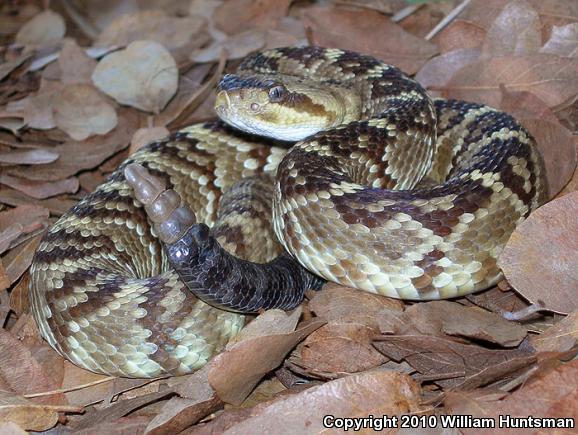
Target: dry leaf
(40, 189)
(144, 136)
(445, 317)
(345, 304)
(151, 25)
(81, 111)
(379, 393)
(339, 348)
(119, 409)
(437, 72)
(516, 31)
(447, 362)
(270, 322)
(553, 395)
(86, 154)
(260, 354)
(19, 259)
(25, 413)
(44, 29)
(10, 428)
(38, 107)
(394, 45)
(132, 425)
(144, 75)
(235, 16)
(563, 42)
(75, 65)
(29, 369)
(8, 66)
(560, 337)
(28, 157)
(236, 46)
(550, 77)
(19, 221)
(558, 148)
(57, 205)
(460, 35)
(540, 258)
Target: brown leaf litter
(81, 82)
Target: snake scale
(386, 190)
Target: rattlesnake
(344, 202)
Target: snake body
(399, 195)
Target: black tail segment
(225, 281)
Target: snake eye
(276, 94)
(254, 107)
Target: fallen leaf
(75, 65)
(119, 409)
(268, 323)
(552, 395)
(260, 354)
(25, 413)
(44, 29)
(151, 25)
(96, 386)
(57, 205)
(197, 401)
(132, 425)
(394, 45)
(345, 304)
(526, 105)
(235, 16)
(540, 258)
(515, 31)
(23, 374)
(445, 361)
(444, 317)
(438, 71)
(144, 136)
(144, 75)
(389, 7)
(86, 154)
(460, 35)
(19, 221)
(236, 46)
(380, 392)
(497, 300)
(560, 337)
(8, 66)
(38, 107)
(267, 390)
(19, 259)
(557, 146)
(81, 111)
(10, 428)
(40, 189)
(481, 81)
(339, 348)
(563, 42)
(28, 157)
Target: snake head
(282, 107)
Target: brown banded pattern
(415, 200)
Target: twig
(447, 19)
(406, 12)
(66, 390)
